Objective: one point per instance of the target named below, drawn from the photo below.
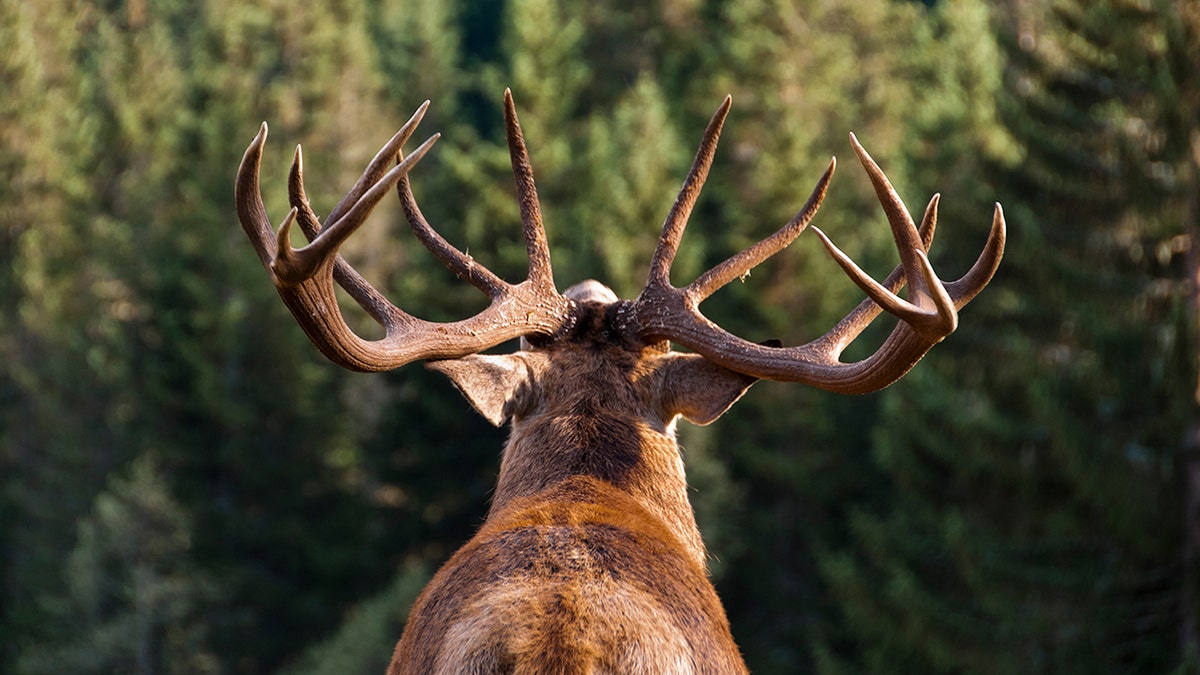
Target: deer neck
(640, 457)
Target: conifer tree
(1035, 527)
(1024, 532)
(147, 324)
(134, 598)
(71, 305)
(867, 68)
(286, 498)
(32, 169)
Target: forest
(187, 486)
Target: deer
(590, 559)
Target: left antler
(929, 314)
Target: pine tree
(66, 307)
(147, 324)
(1035, 528)
(284, 495)
(799, 458)
(135, 595)
(364, 642)
(32, 169)
(1022, 533)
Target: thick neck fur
(591, 410)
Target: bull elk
(590, 560)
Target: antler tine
(929, 310)
(681, 210)
(310, 224)
(294, 265)
(372, 301)
(738, 265)
(904, 231)
(379, 165)
(248, 199)
(461, 264)
(853, 324)
(538, 248)
(971, 283)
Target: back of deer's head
(598, 402)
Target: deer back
(590, 559)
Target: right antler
(663, 312)
(305, 277)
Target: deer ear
(491, 382)
(698, 389)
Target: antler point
(825, 241)
(999, 225)
(260, 138)
(283, 237)
(862, 153)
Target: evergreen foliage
(134, 598)
(186, 487)
(1039, 528)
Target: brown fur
(590, 560)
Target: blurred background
(186, 486)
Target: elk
(590, 560)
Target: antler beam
(929, 314)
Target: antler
(929, 314)
(304, 277)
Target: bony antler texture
(929, 314)
(304, 277)
(534, 307)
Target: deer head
(590, 557)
